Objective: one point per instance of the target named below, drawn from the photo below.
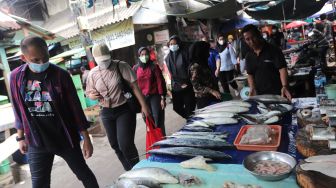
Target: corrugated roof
(96, 20)
(8, 23)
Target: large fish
(193, 142)
(148, 182)
(228, 104)
(215, 121)
(197, 129)
(157, 174)
(190, 152)
(232, 109)
(269, 99)
(219, 134)
(220, 114)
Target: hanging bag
(153, 134)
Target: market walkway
(104, 162)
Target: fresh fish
(192, 142)
(326, 168)
(230, 184)
(187, 180)
(228, 104)
(197, 129)
(232, 109)
(214, 115)
(190, 152)
(271, 114)
(125, 183)
(148, 182)
(198, 123)
(269, 99)
(198, 162)
(158, 174)
(217, 121)
(281, 107)
(210, 134)
(207, 137)
(272, 120)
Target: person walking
(266, 65)
(212, 60)
(205, 86)
(104, 83)
(178, 65)
(152, 86)
(48, 116)
(227, 60)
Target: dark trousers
(184, 102)
(41, 161)
(154, 104)
(120, 125)
(205, 101)
(226, 78)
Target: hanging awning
(196, 10)
(293, 9)
(151, 12)
(66, 25)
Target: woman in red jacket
(152, 85)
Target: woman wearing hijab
(205, 87)
(152, 86)
(227, 60)
(103, 83)
(178, 65)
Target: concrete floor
(104, 162)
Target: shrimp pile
(268, 167)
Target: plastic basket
(5, 167)
(273, 146)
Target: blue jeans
(40, 162)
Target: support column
(6, 68)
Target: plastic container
(273, 146)
(5, 167)
(331, 91)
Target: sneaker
(236, 92)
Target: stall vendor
(265, 65)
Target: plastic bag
(260, 134)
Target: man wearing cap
(48, 116)
(177, 61)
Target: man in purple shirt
(48, 116)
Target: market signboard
(161, 36)
(118, 35)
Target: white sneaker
(236, 92)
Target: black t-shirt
(42, 111)
(277, 37)
(265, 69)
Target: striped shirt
(64, 97)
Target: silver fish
(197, 129)
(269, 99)
(214, 115)
(228, 104)
(148, 182)
(125, 183)
(216, 121)
(159, 174)
(232, 109)
(193, 142)
(211, 134)
(190, 152)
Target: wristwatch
(20, 139)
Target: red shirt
(149, 79)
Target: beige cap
(230, 37)
(99, 50)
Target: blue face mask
(174, 47)
(38, 68)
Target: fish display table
(224, 172)
(287, 144)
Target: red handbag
(153, 134)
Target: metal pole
(77, 8)
(332, 30)
(6, 68)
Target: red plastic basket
(273, 146)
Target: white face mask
(103, 61)
(174, 47)
(221, 42)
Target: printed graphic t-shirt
(42, 111)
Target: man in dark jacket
(178, 65)
(48, 116)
